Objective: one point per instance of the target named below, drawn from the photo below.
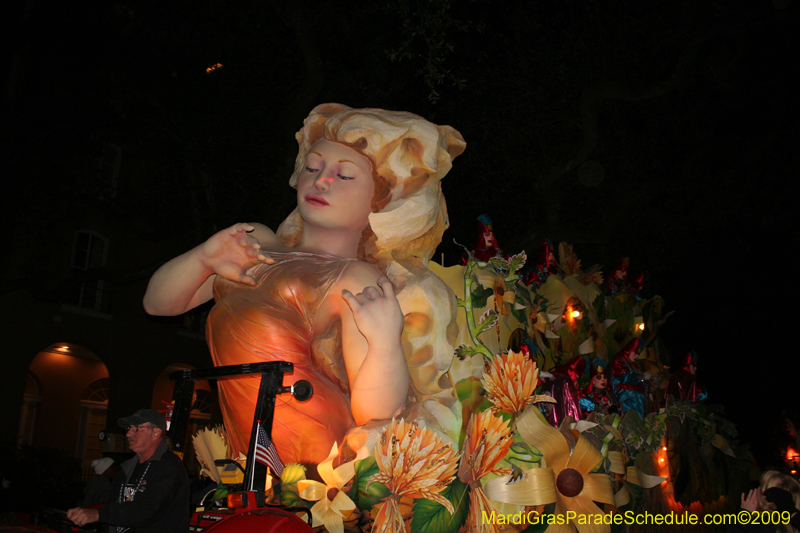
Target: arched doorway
(65, 396)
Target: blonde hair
(774, 478)
(409, 157)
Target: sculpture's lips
(315, 200)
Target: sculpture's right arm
(186, 281)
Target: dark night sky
(693, 123)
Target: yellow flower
(488, 440)
(510, 381)
(413, 462)
(566, 480)
(333, 504)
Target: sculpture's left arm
(372, 323)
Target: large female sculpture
(369, 206)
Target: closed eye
(342, 177)
(309, 169)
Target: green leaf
(470, 393)
(517, 261)
(431, 517)
(480, 295)
(365, 498)
(464, 352)
(469, 389)
(290, 498)
(486, 321)
(499, 263)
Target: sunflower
(333, 504)
(566, 481)
(510, 381)
(488, 440)
(413, 462)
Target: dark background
(662, 131)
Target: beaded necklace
(121, 529)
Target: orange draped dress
(274, 321)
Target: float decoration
(414, 463)
(510, 382)
(333, 504)
(410, 481)
(566, 480)
(292, 474)
(488, 440)
(210, 445)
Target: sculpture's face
(335, 188)
(600, 382)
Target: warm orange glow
(664, 448)
(213, 67)
(794, 472)
(65, 347)
(660, 459)
(792, 454)
(237, 500)
(641, 327)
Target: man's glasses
(135, 429)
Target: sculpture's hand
(230, 252)
(376, 312)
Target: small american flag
(266, 453)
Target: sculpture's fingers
(386, 286)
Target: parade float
(566, 413)
(499, 394)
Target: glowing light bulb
(661, 460)
(664, 448)
(576, 314)
(641, 327)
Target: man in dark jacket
(151, 492)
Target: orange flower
(413, 462)
(510, 381)
(488, 440)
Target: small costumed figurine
(627, 383)
(544, 267)
(561, 385)
(486, 245)
(595, 397)
(683, 383)
(617, 280)
(638, 284)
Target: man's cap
(143, 416)
(101, 465)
